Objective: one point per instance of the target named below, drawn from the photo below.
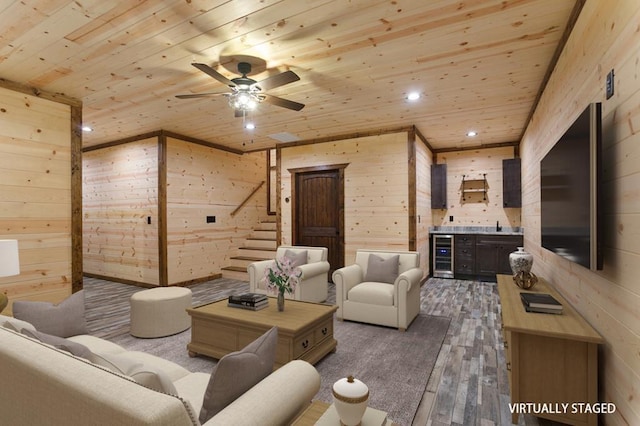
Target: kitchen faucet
(498, 227)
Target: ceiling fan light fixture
(246, 93)
(244, 101)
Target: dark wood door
(504, 250)
(319, 213)
(486, 260)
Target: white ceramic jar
(350, 397)
(520, 261)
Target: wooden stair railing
(256, 189)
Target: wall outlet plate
(610, 84)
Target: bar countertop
(479, 230)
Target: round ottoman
(160, 312)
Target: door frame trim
(321, 168)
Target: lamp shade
(9, 261)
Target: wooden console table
(551, 359)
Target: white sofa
(314, 278)
(394, 303)
(45, 385)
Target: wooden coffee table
(305, 330)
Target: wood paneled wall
(120, 186)
(604, 38)
(36, 196)
(376, 189)
(424, 219)
(475, 211)
(175, 184)
(203, 181)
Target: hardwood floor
(468, 385)
(107, 302)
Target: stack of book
(540, 302)
(252, 301)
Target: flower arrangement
(282, 275)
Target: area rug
(394, 365)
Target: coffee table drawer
(203, 332)
(303, 344)
(324, 330)
(309, 340)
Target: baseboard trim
(149, 285)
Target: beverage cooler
(443, 256)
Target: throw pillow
(147, 375)
(65, 319)
(382, 270)
(61, 343)
(296, 258)
(15, 324)
(114, 362)
(238, 372)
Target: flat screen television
(570, 192)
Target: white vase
(520, 261)
(350, 397)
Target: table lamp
(9, 264)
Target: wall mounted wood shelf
(470, 186)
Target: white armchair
(313, 284)
(383, 289)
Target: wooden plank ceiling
(479, 65)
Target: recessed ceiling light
(413, 96)
(250, 126)
(87, 129)
(471, 133)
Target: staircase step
(263, 234)
(267, 226)
(265, 253)
(245, 261)
(261, 245)
(257, 248)
(249, 258)
(232, 272)
(265, 244)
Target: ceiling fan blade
(284, 103)
(278, 80)
(213, 73)
(199, 95)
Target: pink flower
(282, 275)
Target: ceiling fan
(246, 93)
